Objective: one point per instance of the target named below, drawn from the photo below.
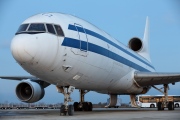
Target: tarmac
(96, 114)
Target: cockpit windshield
(32, 28)
(35, 28)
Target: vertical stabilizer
(145, 50)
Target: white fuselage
(85, 57)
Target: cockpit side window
(22, 28)
(59, 30)
(50, 28)
(38, 27)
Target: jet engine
(135, 44)
(29, 91)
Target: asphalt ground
(96, 114)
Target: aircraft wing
(18, 77)
(155, 78)
(33, 78)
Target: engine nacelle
(29, 91)
(135, 44)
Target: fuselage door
(82, 41)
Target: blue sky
(122, 19)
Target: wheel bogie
(84, 106)
(170, 105)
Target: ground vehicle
(152, 100)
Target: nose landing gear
(67, 92)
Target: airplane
(70, 53)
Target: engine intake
(135, 44)
(29, 91)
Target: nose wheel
(66, 108)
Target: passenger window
(50, 28)
(59, 30)
(37, 27)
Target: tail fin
(145, 50)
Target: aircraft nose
(23, 49)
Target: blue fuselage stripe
(94, 34)
(74, 43)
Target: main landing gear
(66, 108)
(161, 104)
(82, 105)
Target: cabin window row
(35, 28)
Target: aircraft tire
(80, 109)
(70, 110)
(62, 111)
(170, 106)
(85, 106)
(76, 106)
(90, 106)
(160, 106)
(173, 105)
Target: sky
(122, 19)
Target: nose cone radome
(23, 48)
